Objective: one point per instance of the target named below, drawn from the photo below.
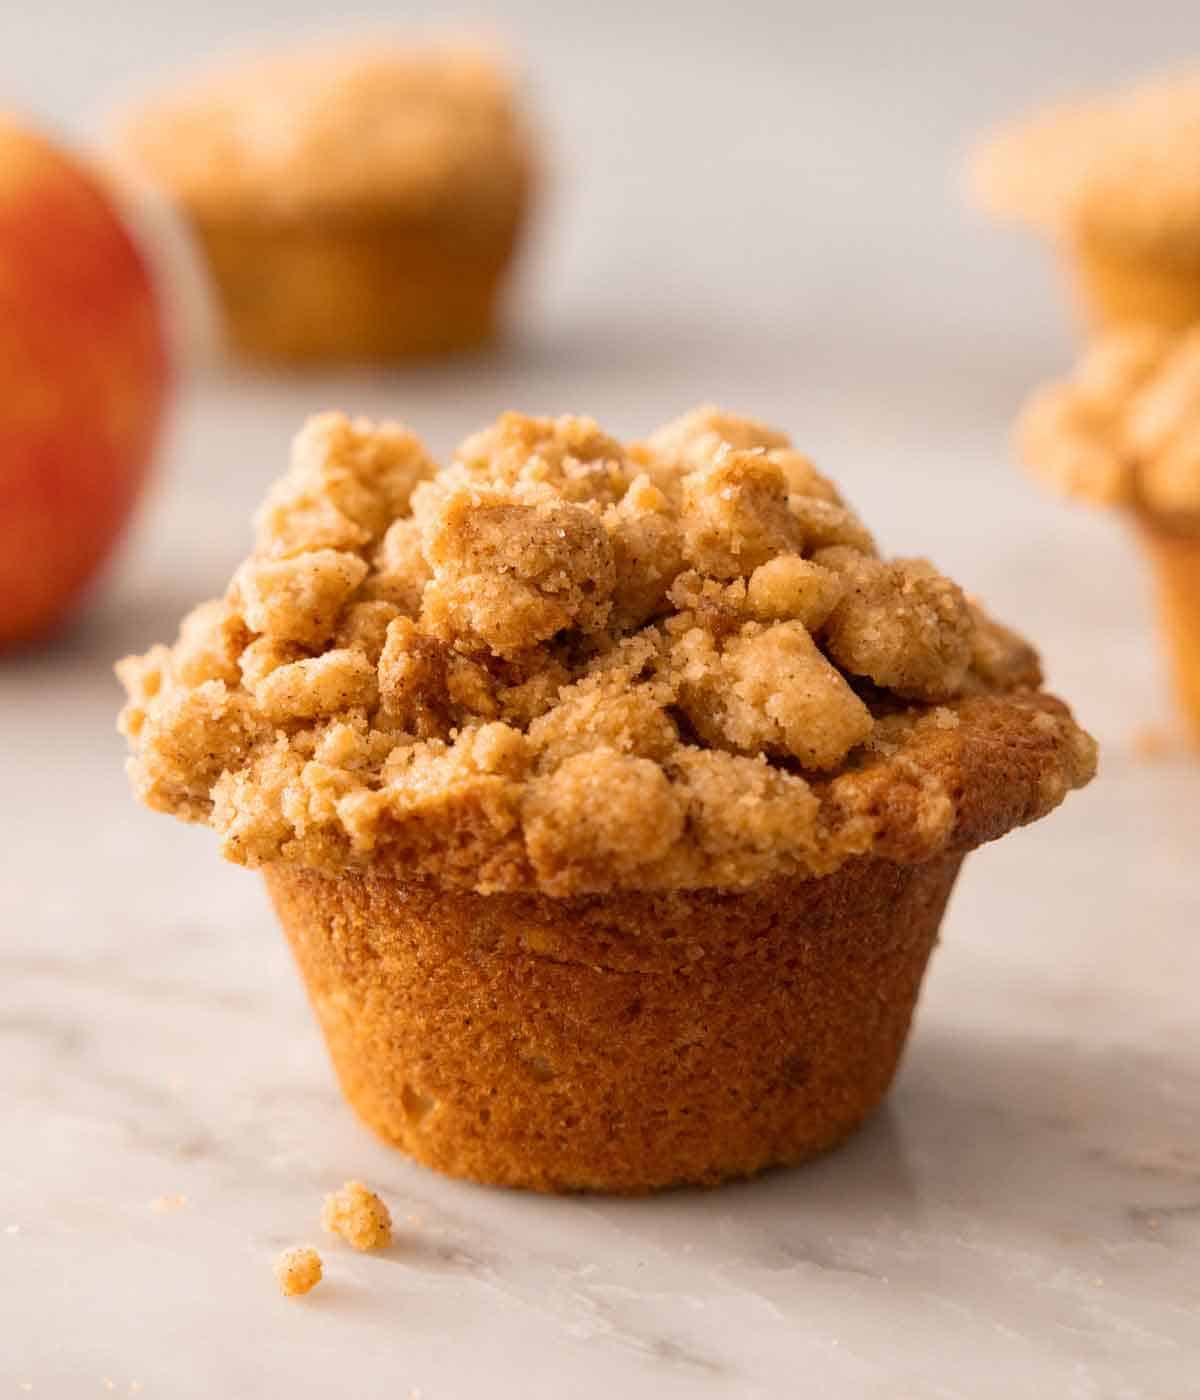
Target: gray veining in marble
(1024, 1216)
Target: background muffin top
(1122, 167)
(569, 664)
(338, 130)
(1125, 428)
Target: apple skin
(84, 378)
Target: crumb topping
(357, 1215)
(568, 664)
(1120, 168)
(298, 1270)
(427, 132)
(1125, 428)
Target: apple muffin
(609, 795)
(1114, 182)
(1124, 432)
(354, 203)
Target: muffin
(609, 795)
(1114, 182)
(351, 204)
(1124, 431)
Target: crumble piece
(507, 575)
(769, 690)
(358, 1216)
(364, 626)
(647, 553)
(698, 439)
(601, 811)
(1124, 429)
(791, 587)
(401, 570)
(336, 681)
(735, 515)
(298, 1270)
(903, 625)
(568, 457)
(297, 599)
(211, 640)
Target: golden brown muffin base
(1175, 554)
(372, 289)
(1128, 287)
(623, 1042)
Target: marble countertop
(1023, 1217)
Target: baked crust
(621, 1043)
(567, 665)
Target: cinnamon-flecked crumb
(357, 1215)
(571, 664)
(1125, 428)
(298, 1270)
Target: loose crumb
(357, 1215)
(163, 1204)
(298, 1270)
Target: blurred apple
(84, 373)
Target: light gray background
(789, 166)
(754, 204)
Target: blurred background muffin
(1124, 431)
(1115, 183)
(353, 201)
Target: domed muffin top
(1120, 168)
(422, 132)
(568, 664)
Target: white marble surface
(1023, 1218)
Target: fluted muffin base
(623, 1042)
(342, 291)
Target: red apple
(84, 374)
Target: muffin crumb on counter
(358, 1216)
(162, 1205)
(298, 1270)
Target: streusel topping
(428, 132)
(570, 664)
(1122, 168)
(1125, 428)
